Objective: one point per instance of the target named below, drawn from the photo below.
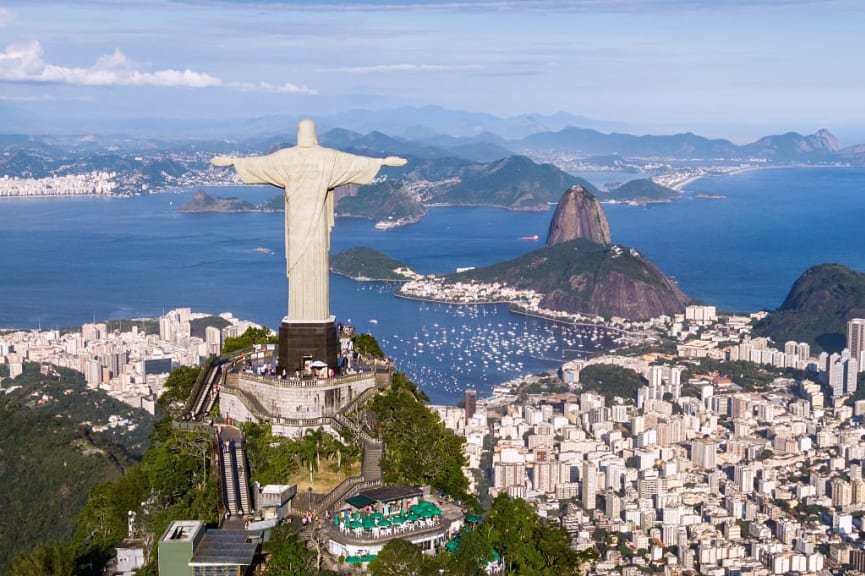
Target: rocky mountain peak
(824, 140)
(578, 215)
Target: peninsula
(366, 265)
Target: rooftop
(227, 547)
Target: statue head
(306, 137)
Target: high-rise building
(856, 340)
(842, 373)
(612, 505)
(213, 339)
(471, 401)
(703, 453)
(590, 485)
(842, 493)
(744, 478)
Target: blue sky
(725, 68)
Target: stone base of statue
(301, 341)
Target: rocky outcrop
(578, 215)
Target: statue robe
(308, 175)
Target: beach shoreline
(690, 179)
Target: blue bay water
(743, 253)
(65, 261)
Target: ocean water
(65, 261)
(743, 253)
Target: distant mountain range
(480, 163)
(476, 136)
(595, 146)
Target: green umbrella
(369, 522)
(354, 524)
(496, 556)
(474, 518)
(378, 515)
(384, 523)
(452, 545)
(353, 559)
(397, 519)
(368, 558)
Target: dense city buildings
(696, 471)
(126, 362)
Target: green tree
(177, 388)
(527, 544)
(399, 558)
(307, 453)
(45, 560)
(319, 438)
(272, 459)
(367, 345)
(348, 449)
(418, 447)
(286, 553)
(473, 554)
(249, 338)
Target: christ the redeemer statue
(308, 173)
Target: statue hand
(394, 161)
(222, 161)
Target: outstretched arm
(222, 161)
(394, 161)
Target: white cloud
(403, 68)
(286, 88)
(24, 63)
(6, 17)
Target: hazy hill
(378, 144)
(581, 276)
(817, 308)
(788, 147)
(203, 202)
(792, 146)
(515, 182)
(640, 190)
(382, 201)
(407, 119)
(50, 455)
(591, 142)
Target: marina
(480, 346)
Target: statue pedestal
(303, 340)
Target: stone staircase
(346, 489)
(370, 467)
